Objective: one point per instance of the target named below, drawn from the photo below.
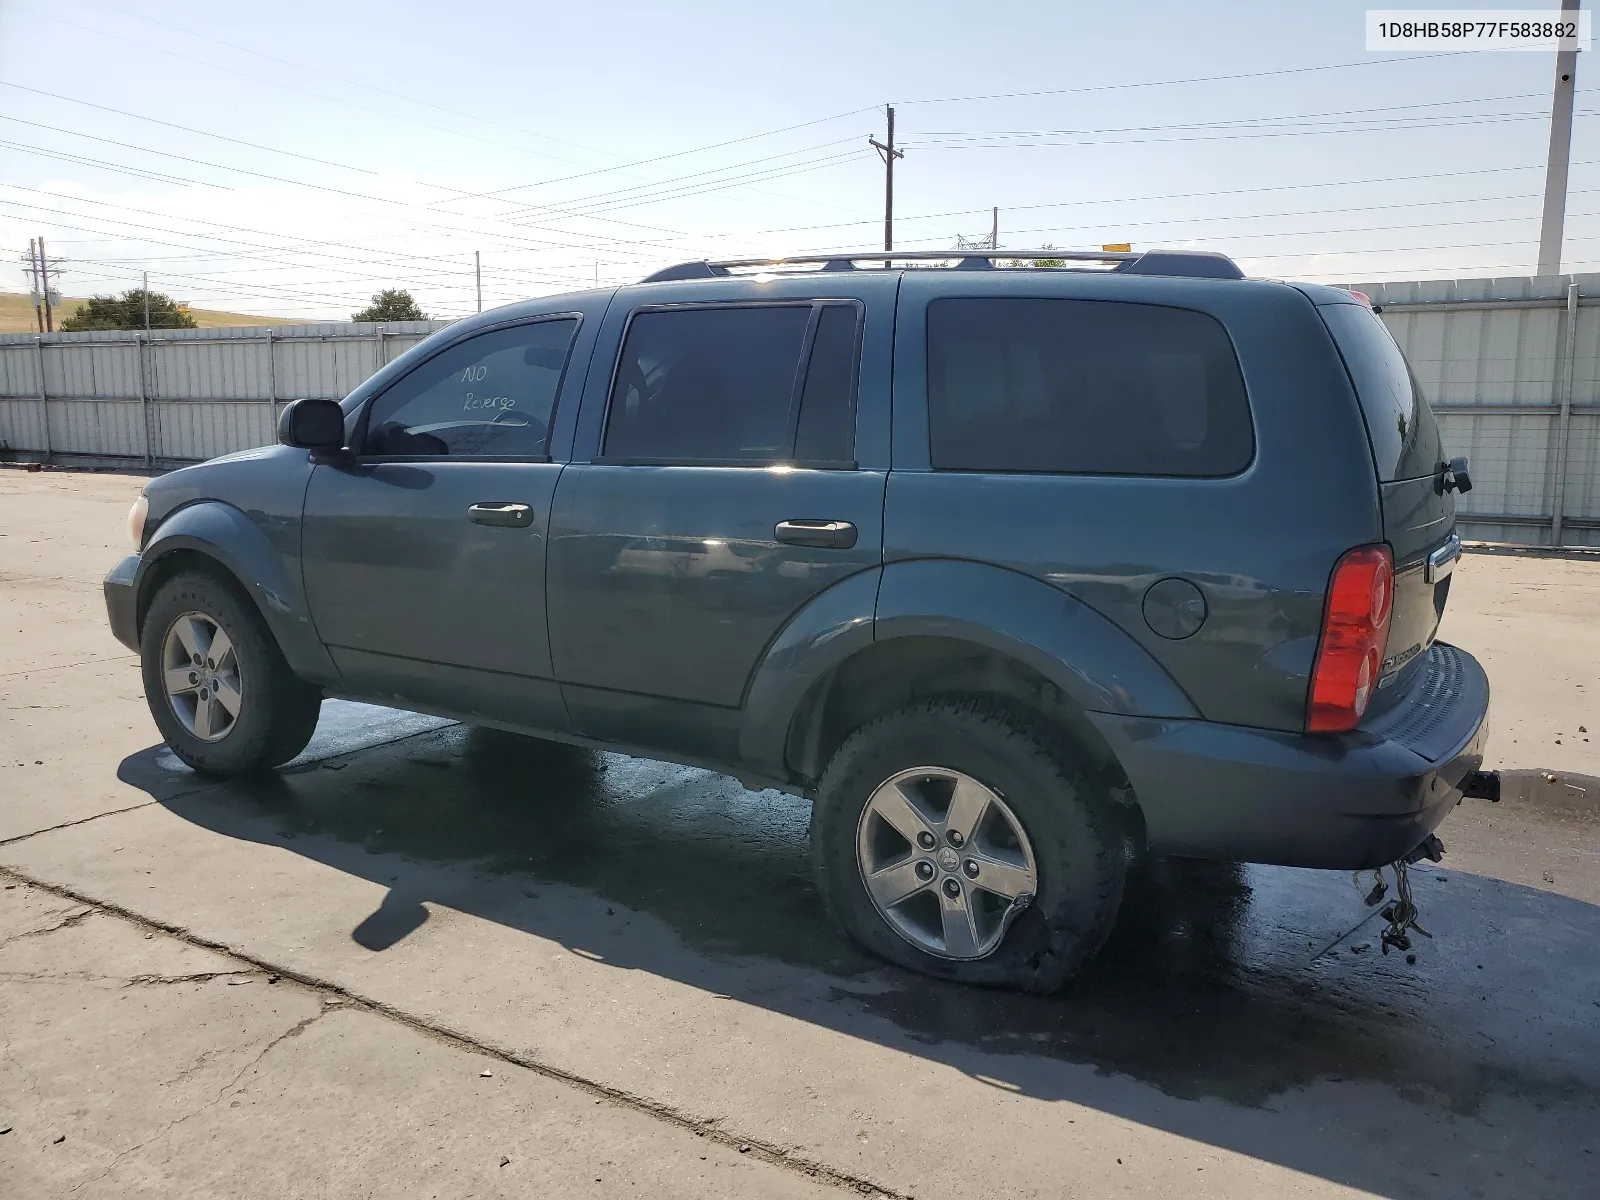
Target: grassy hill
(16, 315)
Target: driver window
(489, 396)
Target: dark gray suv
(1015, 572)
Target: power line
(359, 107)
(1282, 187)
(676, 154)
(386, 257)
(683, 193)
(143, 237)
(531, 210)
(1117, 87)
(987, 142)
(672, 190)
(1342, 112)
(142, 173)
(324, 73)
(1127, 225)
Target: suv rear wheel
(955, 839)
(217, 685)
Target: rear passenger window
(1401, 426)
(1083, 387)
(741, 385)
(827, 426)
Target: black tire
(278, 711)
(1078, 846)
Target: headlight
(136, 516)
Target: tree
(127, 312)
(1040, 262)
(391, 304)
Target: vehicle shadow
(1220, 983)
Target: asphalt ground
(427, 959)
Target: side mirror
(316, 425)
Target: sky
(294, 158)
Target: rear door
(1419, 516)
(725, 489)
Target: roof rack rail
(1203, 264)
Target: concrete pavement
(598, 927)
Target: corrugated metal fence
(1512, 370)
(1512, 367)
(177, 395)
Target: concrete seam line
(706, 1127)
(206, 787)
(115, 812)
(86, 663)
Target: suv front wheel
(955, 839)
(217, 685)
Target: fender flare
(1099, 667)
(831, 627)
(224, 534)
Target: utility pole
(889, 153)
(146, 290)
(477, 275)
(1553, 224)
(33, 283)
(994, 230)
(44, 280)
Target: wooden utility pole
(44, 286)
(1552, 226)
(146, 290)
(889, 154)
(33, 282)
(994, 230)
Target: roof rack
(1203, 264)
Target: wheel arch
(218, 538)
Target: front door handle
(501, 512)
(831, 535)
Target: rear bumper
(1348, 801)
(122, 602)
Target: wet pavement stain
(1219, 980)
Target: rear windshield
(1405, 437)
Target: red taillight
(1355, 632)
(1362, 297)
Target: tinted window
(826, 432)
(707, 384)
(1083, 387)
(1405, 437)
(489, 395)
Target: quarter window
(487, 397)
(1083, 387)
(744, 385)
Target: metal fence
(1512, 367)
(177, 395)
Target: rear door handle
(831, 535)
(501, 512)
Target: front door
(725, 496)
(424, 555)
